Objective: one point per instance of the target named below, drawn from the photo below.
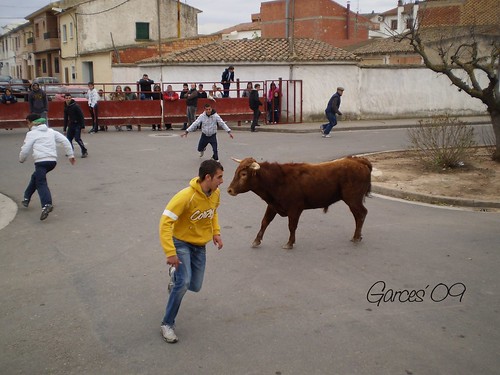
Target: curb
(436, 200)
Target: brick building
(323, 20)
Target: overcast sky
(217, 14)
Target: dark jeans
(255, 121)
(226, 86)
(332, 118)
(39, 182)
(94, 113)
(205, 140)
(74, 132)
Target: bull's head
(241, 182)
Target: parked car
(46, 80)
(20, 87)
(77, 93)
(4, 83)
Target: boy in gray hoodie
(43, 141)
(208, 121)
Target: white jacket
(208, 123)
(92, 97)
(43, 140)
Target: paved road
(84, 291)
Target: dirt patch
(478, 179)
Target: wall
(94, 25)
(371, 92)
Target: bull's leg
(359, 212)
(266, 220)
(293, 221)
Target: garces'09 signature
(379, 293)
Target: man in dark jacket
(38, 101)
(331, 111)
(255, 103)
(227, 78)
(145, 87)
(74, 123)
(191, 103)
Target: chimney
(401, 23)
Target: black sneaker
(45, 211)
(85, 154)
(25, 202)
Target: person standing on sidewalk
(255, 103)
(226, 79)
(188, 223)
(74, 122)
(331, 111)
(38, 101)
(191, 103)
(208, 121)
(93, 99)
(43, 141)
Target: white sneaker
(327, 136)
(168, 334)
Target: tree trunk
(495, 121)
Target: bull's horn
(255, 166)
(236, 160)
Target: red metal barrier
(135, 112)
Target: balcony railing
(49, 35)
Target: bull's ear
(236, 160)
(255, 166)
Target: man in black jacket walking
(255, 103)
(74, 123)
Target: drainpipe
(348, 21)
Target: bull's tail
(366, 162)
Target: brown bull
(291, 188)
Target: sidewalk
(313, 127)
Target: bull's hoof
(287, 246)
(256, 243)
(356, 240)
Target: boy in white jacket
(208, 120)
(43, 140)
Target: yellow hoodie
(190, 216)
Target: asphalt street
(84, 291)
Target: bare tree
(469, 57)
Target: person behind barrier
(38, 102)
(169, 96)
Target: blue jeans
(205, 140)
(38, 182)
(189, 276)
(332, 121)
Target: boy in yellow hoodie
(188, 223)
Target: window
(56, 65)
(64, 34)
(37, 30)
(394, 24)
(71, 30)
(409, 23)
(44, 66)
(142, 30)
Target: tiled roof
(258, 50)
